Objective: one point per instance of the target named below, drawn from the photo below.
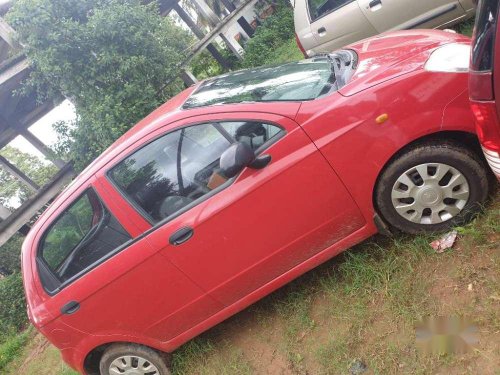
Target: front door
(233, 236)
(387, 15)
(337, 23)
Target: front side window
(80, 237)
(319, 8)
(177, 169)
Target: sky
(43, 130)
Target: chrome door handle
(375, 4)
(322, 31)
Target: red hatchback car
(244, 182)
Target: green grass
(369, 300)
(11, 348)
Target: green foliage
(67, 232)
(12, 303)
(111, 58)
(273, 33)
(205, 66)
(11, 348)
(10, 255)
(34, 168)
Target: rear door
(337, 23)
(387, 15)
(103, 277)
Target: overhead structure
(218, 29)
(18, 113)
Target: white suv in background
(326, 25)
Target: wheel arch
(463, 138)
(93, 358)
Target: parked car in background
(244, 182)
(484, 81)
(322, 26)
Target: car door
(108, 279)
(337, 23)
(233, 236)
(387, 15)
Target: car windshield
(296, 81)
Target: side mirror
(238, 156)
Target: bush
(12, 303)
(10, 255)
(274, 32)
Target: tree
(110, 57)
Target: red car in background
(484, 84)
(244, 182)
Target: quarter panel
(357, 147)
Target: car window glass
(254, 134)
(295, 81)
(81, 236)
(181, 167)
(173, 171)
(318, 8)
(484, 35)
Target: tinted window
(84, 234)
(175, 170)
(297, 81)
(484, 35)
(318, 8)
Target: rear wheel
(131, 359)
(432, 187)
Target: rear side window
(319, 8)
(80, 237)
(484, 35)
(176, 170)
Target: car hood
(393, 54)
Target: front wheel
(131, 359)
(431, 188)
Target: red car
(484, 86)
(244, 182)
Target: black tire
(470, 165)
(116, 351)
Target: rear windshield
(484, 35)
(297, 81)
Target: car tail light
(487, 125)
(300, 46)
(480, 86)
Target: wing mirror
(238, 156)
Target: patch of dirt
(259, 342)
(38, 345)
